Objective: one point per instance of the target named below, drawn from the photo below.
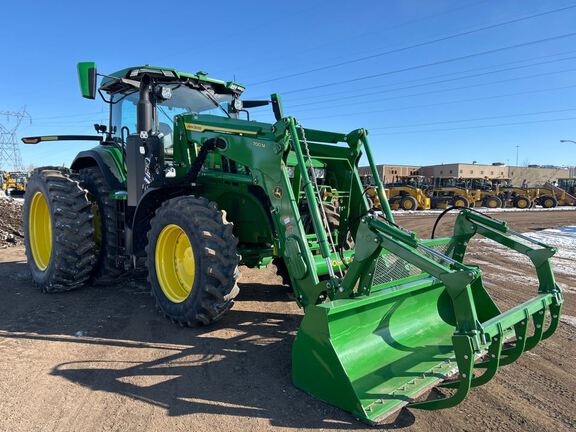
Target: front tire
(58, 232)
(192, 261)
(460, 201)
(492, 201)
(522, 202)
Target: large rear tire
(58, 231)
(548, 201)
(192, 261)
(409, 203)
(107, 229)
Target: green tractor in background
(181, 182)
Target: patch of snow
(481, 210)
(563, 239)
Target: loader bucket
(372, 356)
(427, 318)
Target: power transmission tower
(10, 157)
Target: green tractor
(181, 181)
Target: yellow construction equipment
(451, 192)
(408, 193)
(488, 191)
(513, 196)
(14, 183)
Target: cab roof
(112, 83)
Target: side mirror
(87, 78)
(277, 106)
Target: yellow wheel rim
(175, 263)
(459, 203)
(40, 230)
(492, 204)
(522, 203)
(549, 203)
(408, 205)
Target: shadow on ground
(238, 367)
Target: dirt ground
(11, 232)
(102, 359)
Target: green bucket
(373, 355)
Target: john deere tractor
(183, 180)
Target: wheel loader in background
(485, 191)
(14, 183)
(513, 196)
(408, 193)
(446, 192)
(568, 185)
(180, 180)
(552, 196)
(402, 195)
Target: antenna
(10, 157)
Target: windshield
(184, 100)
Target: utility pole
(517, 147)
(10, 157)
(573, 168)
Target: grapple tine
(521, 330)
(538, 320)
(555, 310)
(465, 360)
(491, 365)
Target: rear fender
(107, 160)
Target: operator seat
(166, 130)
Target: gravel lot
(102, 359)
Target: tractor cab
(175, 94)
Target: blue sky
(424, 103)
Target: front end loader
(180, 181)
(448, 192)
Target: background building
(533, 174)
(390, 173)
(466, 171)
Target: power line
(436, 104)
(371, 94)
(436, 63)
(281, 55)
(417, 45)
(344, 92)
(477, 127)
(71, 115)
(473, 119)
(466, 87)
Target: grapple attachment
(409, 315)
